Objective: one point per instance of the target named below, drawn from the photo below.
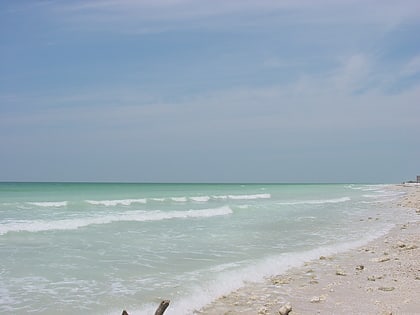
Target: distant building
(418, 178)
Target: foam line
(139, 216)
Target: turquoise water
(101, 248)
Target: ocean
(71, 248)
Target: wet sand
(382, 277)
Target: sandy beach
(382, 277)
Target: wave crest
(180, 199)
(139, 216)
(243, 197)
(109, 203)
(54, 204)
(315, 202)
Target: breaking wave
(315, 202)
(54, 204)
(123, 202)
(243, 197)
(139, 216)
(201, 199)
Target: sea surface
(72, 248)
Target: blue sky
(210, 91)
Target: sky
(210, 90)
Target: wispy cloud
(143, 16)
(353, 74)
(323, 101)
(412, 67)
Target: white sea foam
(179, 199)
(6, 299)
(223, 197)
(112, 203)
(363, 188)
(315, 202)
(139, 216)
(128, 202)
(200, 198)
(54, 204)
(368, 187)
(249, 197)
(370, 196)
(385, 195)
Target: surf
(132, 216)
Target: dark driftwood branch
(160, 310)
(162, 307)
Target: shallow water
(100, 248)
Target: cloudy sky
(210, 90)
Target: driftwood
(160, 310)
(162, 307)
(284, 310)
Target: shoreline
(381, 277)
